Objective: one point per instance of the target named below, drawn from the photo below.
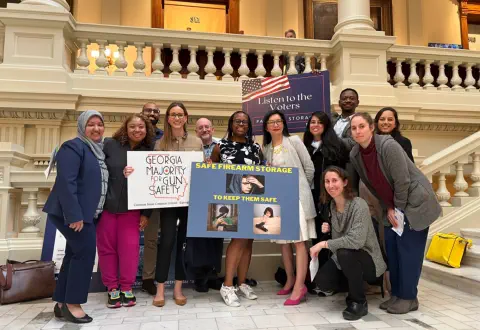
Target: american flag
(255, 88)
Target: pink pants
(118, 246)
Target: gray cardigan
(297, 156)
(353, 229)
(413, 193)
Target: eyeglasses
(275, 122)
(150, 110)
(176, 115)
(241, 122)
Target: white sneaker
(247, 291)
(229, 296)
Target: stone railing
(191, 55)
(458, 156)
(433, 68)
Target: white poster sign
(59, 252)
(160, 178)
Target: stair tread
(470, 232)
(474, 250)
(465, 271)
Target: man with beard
(151, 110)
(341, 125)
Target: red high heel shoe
(294, 302)
(284, 292)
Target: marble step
(472, 256)
(465, 278)
(471, 233)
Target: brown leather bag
(29, 280)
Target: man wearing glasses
(151, 111)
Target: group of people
(356, 176)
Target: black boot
(70, 318)
(355, 311)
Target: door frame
(232, 14)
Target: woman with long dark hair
(283, 150)
(408, 201)
(325, 149)
(175, 138)
(387, 123)
(237, 148)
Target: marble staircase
(467, 277)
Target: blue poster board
(243, 201)
(297, 96)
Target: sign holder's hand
(127, 171)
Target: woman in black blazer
(387, 123)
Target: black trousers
(169, 231)
(357, 266)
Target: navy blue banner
(243, 201)
(297, 96)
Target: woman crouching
(356, 254)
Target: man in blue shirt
(151, 110)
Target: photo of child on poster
(267, 219)
(222, 217)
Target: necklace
(278, 149)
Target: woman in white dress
(283, 150)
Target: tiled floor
(440, 308)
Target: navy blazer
(77, 189)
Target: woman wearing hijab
(75, 202)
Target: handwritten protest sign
(244, 201)
(160, 178)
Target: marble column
(354, 14)
(53, 3)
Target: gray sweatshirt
(353, 229)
